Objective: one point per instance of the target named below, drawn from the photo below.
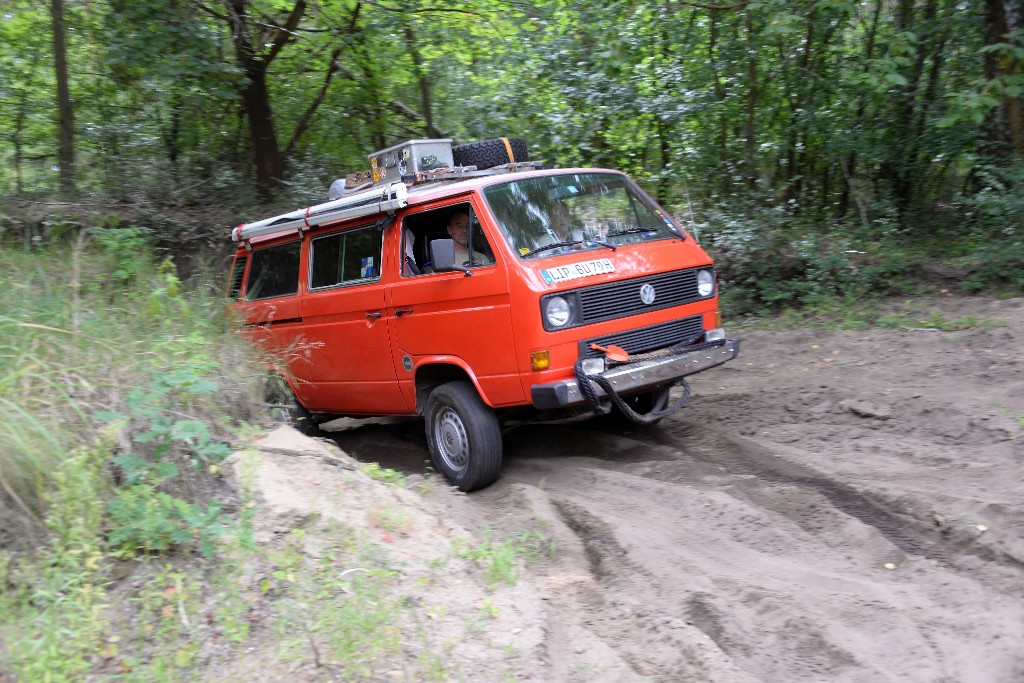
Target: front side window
(457, 222)
(557, 214)
(274, 272)
(346, 257)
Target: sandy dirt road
(832, 506)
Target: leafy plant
(383, 474)
(502, 561)
(144, 516)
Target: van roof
(424, 193)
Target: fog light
(540, 360)
(714, 335)
(593, 366)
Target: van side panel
(346, 353)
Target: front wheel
(464, 436)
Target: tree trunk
(750, 130)
(265, 150)
(1005, 125)
(850, 165)
(254, 60)
(423, 77)
(65, 110)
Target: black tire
(463, 436)
(283, 406)
(489, 153)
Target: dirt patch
(833, 505)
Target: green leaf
(186, 430)
(181, 536)
(130, 463)
(165, 470)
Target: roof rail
(388, 198)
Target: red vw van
(468, 286)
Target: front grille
(646, 339)
(621, 299)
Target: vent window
(236, 276)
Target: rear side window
(274, 272)
(345, 257)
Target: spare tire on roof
(488, 153)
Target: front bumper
(635, 377)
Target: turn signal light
(540, 360)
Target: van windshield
(557, 214)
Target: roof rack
(388, 198)
(384, 188)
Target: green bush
(94, 330)
(992, 246)
(768, 259)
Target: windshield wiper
(603, 244)
(553, 245)
(629, 231)
(573, 243)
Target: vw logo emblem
(647, 294)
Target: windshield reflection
(556, 214)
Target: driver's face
(458, 228)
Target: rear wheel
(463, 436)
(489, 153)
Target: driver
(458, 228)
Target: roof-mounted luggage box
(411, 158)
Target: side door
(345, 350)
(453, 317)
(269, 303)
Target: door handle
(373, 315)
(402, 311)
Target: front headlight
(705, 283)
(557, 311)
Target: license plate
(574, 271)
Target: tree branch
(303, 123)
(408, 112)
(285, 32)
(203, 7)
(715, 8)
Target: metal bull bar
(679, 360)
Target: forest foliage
(818, 147)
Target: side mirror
(442, 257)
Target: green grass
(120, 387)
(503, 561)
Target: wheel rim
(451, 440)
